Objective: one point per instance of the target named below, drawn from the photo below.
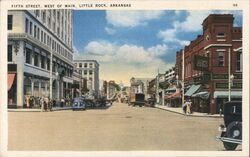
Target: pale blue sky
(136, 43)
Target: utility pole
(229, 74)
(183, 73)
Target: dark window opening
(9, 53)
(10, 22)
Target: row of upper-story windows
(85, 72)
(44, 37)
(42, 61)
(58, 23)
(85, 65)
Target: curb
(190, 115)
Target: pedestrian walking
(42, 104)
(185, 107)
(189, 107)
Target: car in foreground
(231, 130)
(78, 104)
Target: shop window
(10, 22)
(221, 59)
(9, 53)
(239, 61)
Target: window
(85, 72)
(37, 13)
(36, 60)
(9, 53)
(221, 34)
(221, 59)
(31, 27)
(41, 36)
(10, 22)
(239, 61)
(44, 16)
(35, 31)
(80, 72)
(90, 72)
(80, 65)
(44, 38)
(48, 64)
(26, 25)
(91, 65)
(43, 62)
(85, 65)
(38, 33)
(28, 54)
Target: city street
(120, 127)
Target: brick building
(207, 73)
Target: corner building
(40, 54)
(207, 61)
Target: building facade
(40, 54)
(213, 64)
(89, 69)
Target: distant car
(78, 104)
(231, 131)
(89, 103)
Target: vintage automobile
(78, 104)
(231, 131)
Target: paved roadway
(119, 127)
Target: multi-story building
(140, 85)
(213, 64)
(89, 69)
(40, 54)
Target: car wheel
(234, 130)
(230, 146)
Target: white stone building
(40, 54)
(90, 72)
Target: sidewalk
(38, 110)
(179, 110)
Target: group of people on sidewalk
(42, 102)
(187, 108)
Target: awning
(174, 96)
(192, 90)
(224, 94)
(11, 78)
(202, 95)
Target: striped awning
(192, 90)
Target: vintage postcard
(124, 78)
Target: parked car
(231, 130)
(78, 104)
(89, 103)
